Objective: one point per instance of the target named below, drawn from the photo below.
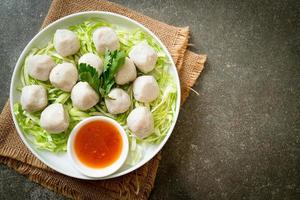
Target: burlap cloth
(136, 185)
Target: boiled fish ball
(54, 119)
(92, 60)
(126, 73)
(34, 98)
(39, 66)
(66, 42)
(83, 96)
(145, 89)
(64, 76)
(140, 122)
(143, 56)
(105, 38)
(118, 101)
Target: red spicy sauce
(98, 144)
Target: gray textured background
(240, 138)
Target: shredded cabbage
(163, 108)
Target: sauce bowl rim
(97, 172)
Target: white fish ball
(64, 76)
(126, 73)
(105, 38)
(145, 89)
(34, 98)
(66, 42)
(54, 119)
(93, 60)
(118, 101)
(39, 66)
(143, 56)
(83, 96)
(140, 122)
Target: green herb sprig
(113, 60)
(89, 74)
(103, 83)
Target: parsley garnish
(104, 83)
(112, 63)
(89, 74)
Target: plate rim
(19, 64)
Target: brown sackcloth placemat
(136, 185)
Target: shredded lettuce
(163, 108)
(37, 135)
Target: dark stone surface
(240, 138)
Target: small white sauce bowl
(97, 172)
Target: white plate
(60, 162)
